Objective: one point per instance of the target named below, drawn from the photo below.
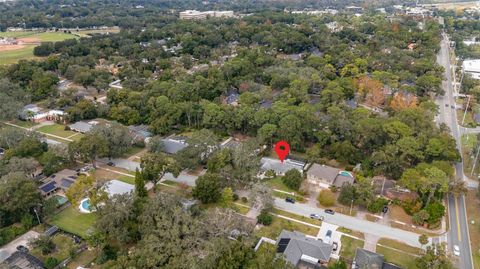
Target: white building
(472, 67)
(200, 15)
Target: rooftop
(299, 248)
(174, 144)
(21, 260)
(279, 167)
(114, 187)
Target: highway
(458, 233)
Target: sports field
(27, 40)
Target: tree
(13, 95)
(227, 197)
(267, 258)
(423, 239)
(140, 189)
(79, 189)
(156, 145)
(245, 162)
(265, 218)
(51, 262)
(420, 217)
(293, 179)
(208, 188)
(326, 198)
(155, 166)
(435, 257)
(118, 137)
(200, 146)
(24, 165)
(45, 243)
(89, 148)
(266, 133)
(347, 194)
(261, 197)
(457, 187)
(18, 195)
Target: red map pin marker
(282, 148)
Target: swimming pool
(61, 200)
(345, 173)
(85, 206)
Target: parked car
(290, 200)
(111, 164)
(328, 237)
(452, 106)
(335, 246)
(385, 209)
(456, 250)
(22, 248)
(2, 151)
(329, 211)
(316, 216)
(446, 105)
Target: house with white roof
(472, 67)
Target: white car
(456, 250)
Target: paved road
(458, 233)
(351, 223)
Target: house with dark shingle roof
(21, 260)
(172, 145)
(302, 250)
(365, 259)
(324, 176)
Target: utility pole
(351, 207)
(36, 214)
(466, 107)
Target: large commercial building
(200, 15)
(472, 67)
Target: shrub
(235, 197)
(244, 200)
(420, 217)
(436, 211)
(293, 179)
(411, 206)
(67, 128)
(326, 198)
(270, 174)
(265, 218)
(51, 262)
(347, 194)
(377, 205)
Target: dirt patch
(31, 40)
(11, 47)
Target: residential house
(324, 176)
(82, 127)
(117, 187)
(371, 260)
(61, 180)
(140, 132)
(280, 168)
(172, 145)
(303, 251)
(200, 15)
(230, 143)
(232, 99)
(22, 260)
(37, 114)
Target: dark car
(111, 164)
(452, 106)
(446, 105)
(22, 248)
(335, 246)
(385, 209)
(290, 200)
(329, 211)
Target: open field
(279, 224)
(13, 53)
(72, 221)
(450, 5)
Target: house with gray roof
(172, 145)
(370, 260)
(280, 168)
(303, 251)
(81, 127)
(324, 176)
(139, 132)
(22, 260)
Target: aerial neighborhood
(239, 135)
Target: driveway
(11, 247)
(351, 223)
(122, 163)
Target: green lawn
(404, 260)
(12, 56)
(279, 224)
(127, 179)
(42, 36)
(63, 245)
(23, 123)
(58, 130)
(71, 220)
(295, 216)
(349, 247)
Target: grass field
(12, 56)
(474, 228)
(279, 224)
(71, 220)
(349, 247)
(42, 36)
(59, 130)
(396, 257)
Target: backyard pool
(61, 200)
(345, 173)
(85, 206)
